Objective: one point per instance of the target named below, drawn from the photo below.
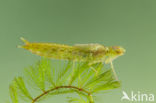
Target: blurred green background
(127, 23)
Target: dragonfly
(92, 53)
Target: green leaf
(13, 93)
(89, 74)
(76, 100)
(22, 88)
(49, 74)
(107, 86)
(77, 77)
(63, 76)
(80, 67)
(37, 73)
(106, 76)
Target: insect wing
(89, 47)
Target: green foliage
(13, 93)
(21, 87)
(73, 77)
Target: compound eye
(119, 50)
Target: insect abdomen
(55, 51)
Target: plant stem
(60, 87)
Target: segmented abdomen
(57, 51)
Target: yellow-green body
(93, 53)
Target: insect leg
(92, 68)
(113, 71)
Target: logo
(137, 96)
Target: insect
(92, 53)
